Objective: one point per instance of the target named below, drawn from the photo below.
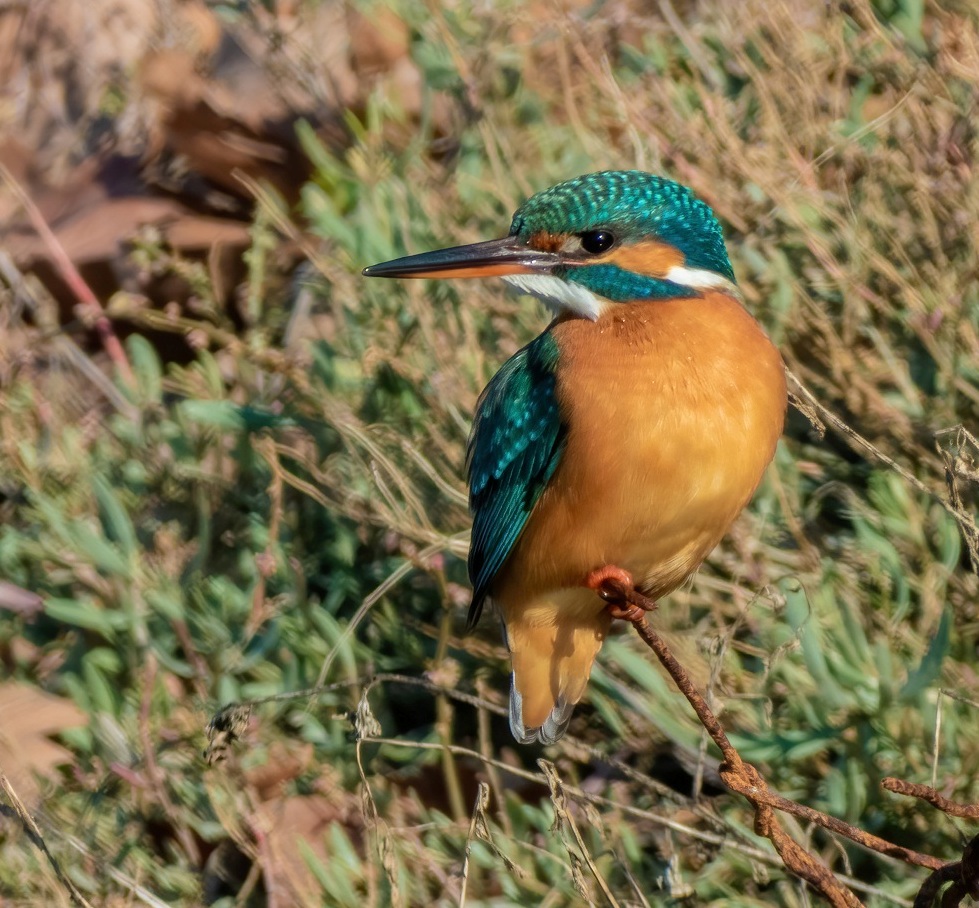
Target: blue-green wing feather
(515, 446)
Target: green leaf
(85, 614)
(220, 414)
(119, 528)
(101, 691)
(649, 692)
(99, 551)
(223, 414)
(168, 603)
(804, 619)
(146, 365)
(930, 667)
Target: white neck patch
(559, 294)
(701, 279)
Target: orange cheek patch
(548, 242)
(649, 258)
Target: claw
(616, 587)
(630, 613)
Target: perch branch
(746, 780)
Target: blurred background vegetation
(265, 490)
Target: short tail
(551, 664)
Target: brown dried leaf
(29, 718)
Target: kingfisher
(622, 442)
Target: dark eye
(596, 241)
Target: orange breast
(674, 409)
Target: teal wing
(515, 447)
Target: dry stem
(34, 833)
(746, 780)
(66, 267)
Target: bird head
(602, 239)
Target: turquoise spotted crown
(632, 204)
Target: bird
(621, 443)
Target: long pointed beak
(494, 257)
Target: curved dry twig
(964, 874)
(931, 795)
(90, 303)
(746, 780)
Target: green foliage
(288, 506)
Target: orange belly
(673, 410)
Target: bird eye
(596, 241)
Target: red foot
(598, 579)
(617, 588)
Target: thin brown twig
(154, 774)
(929, 794)
(564, 820)
(64, 345)
(227, 725)
(746, 780)
(958, 460)
(963, 875)
(478, 815)
(66, 267)
(34, 833)
(809, 405)
(627, 809)
(930, 888)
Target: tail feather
(550, 731)
(551, 659)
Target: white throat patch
(559, 294)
